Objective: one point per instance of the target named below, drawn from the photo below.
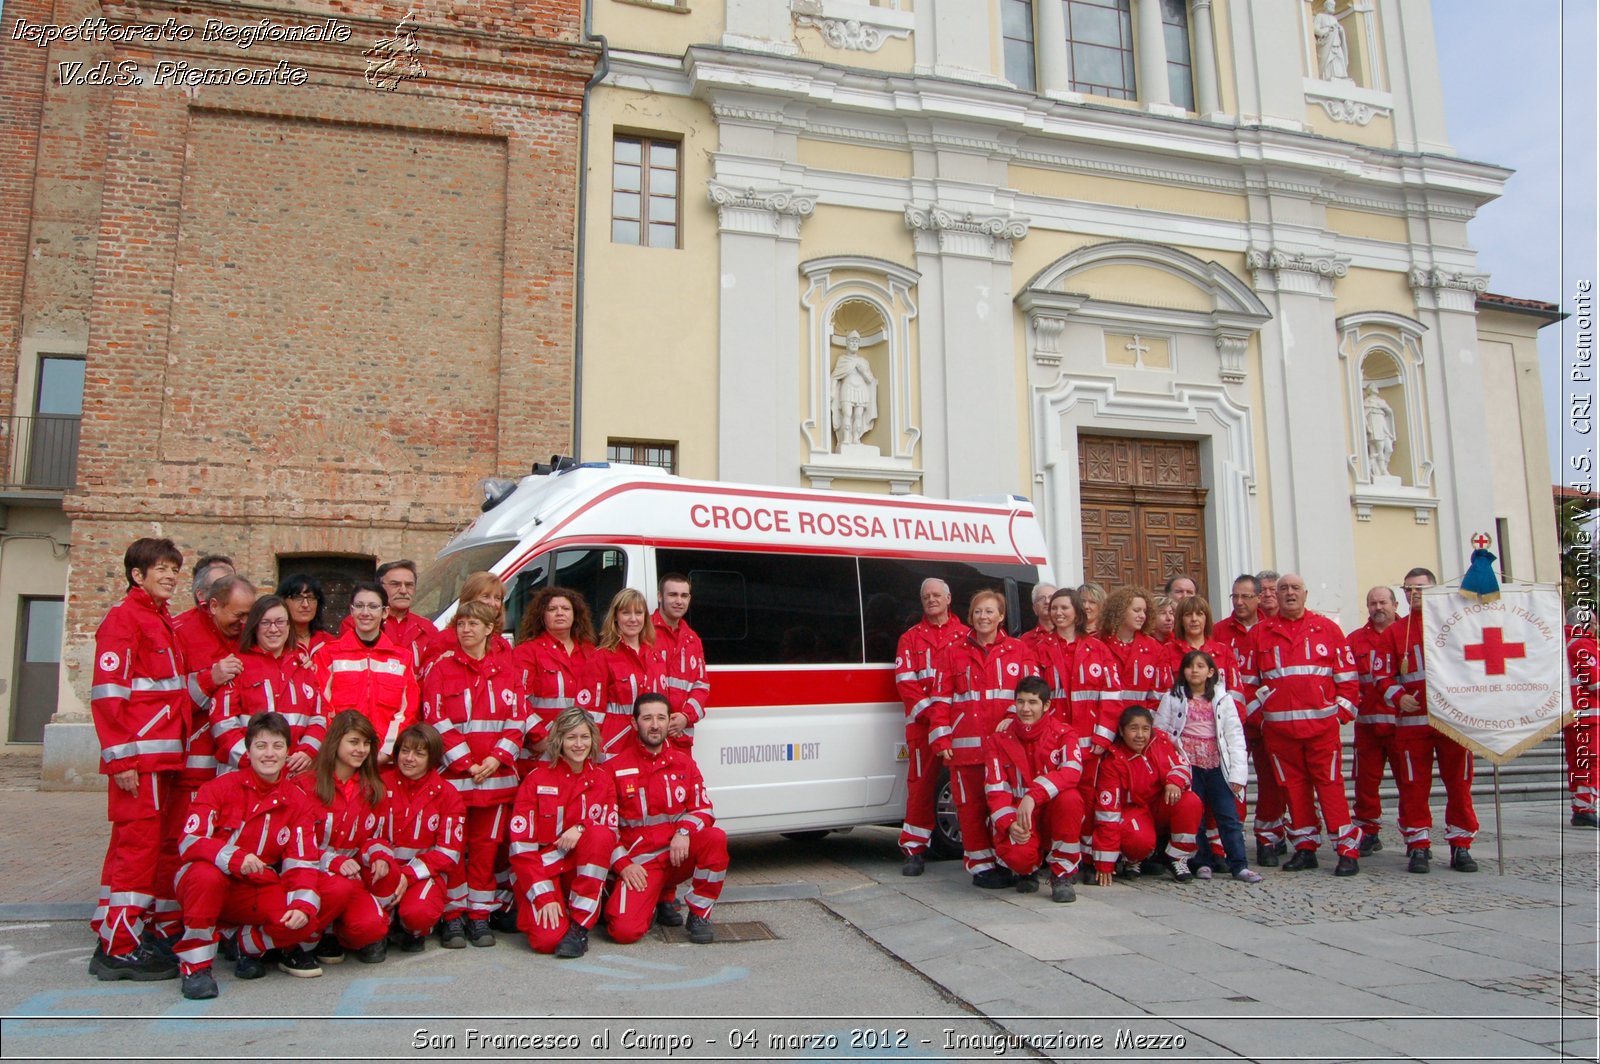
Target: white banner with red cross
(1497, 671)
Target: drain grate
(745, 931)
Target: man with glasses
(1307, 689)
(1417, 745)
(408, 630)
(1235, 630)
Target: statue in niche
(1378, 417)
(1333, 53)
(853, 393)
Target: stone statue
(853, 394)
(1378, 418)
(1333, 55)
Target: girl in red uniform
(561, 668)
(632, 667)
(425, 824)
(972, 692)
(563, 832)
(365, 670)
(1141, 661)
(1142, 790)
(278, 677)
(357, 865)
(476, 700)
(250, 854)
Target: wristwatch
(684, 832)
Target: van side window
(887, 580)
(596, 573)
(771, 609)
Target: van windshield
(439, 583)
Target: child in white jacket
(1205, 721)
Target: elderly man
(920, 647)
(1235, 630)
(1179, 587)
(1306, 689)
(1041, 616)
(1267, 584)
(1375, 741)
(410, 631)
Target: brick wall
(316, 314)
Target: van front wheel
(946, 841)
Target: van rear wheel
(946, 841)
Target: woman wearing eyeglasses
(303, 597)
(364, 670)
(277, 677)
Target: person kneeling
(425, 822)
(269, 893)
(1142, 790)
(667, 833)
(1031, 770)
(563, 832)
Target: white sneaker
(1247, 875)
(1203, 872)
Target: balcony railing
(39, 453)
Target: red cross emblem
(1480, 541)
(1494, 651)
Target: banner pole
(1499, 836)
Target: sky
(1519, 91)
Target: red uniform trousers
(972, 810)
(421, 906)
(1056, 838)
(1309, 774)
(1583, 764)
(1180, 822)
(212, 899)
(922, 788)
(629, 912)
(579, 876)
(350, 909)
(135, 869)
(1414, 754)
(1270, 800)
(476, 884)
(168, 918)
(1086, 791)
(1372, 750)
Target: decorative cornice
(1441, 279)
(1004, 226)
(1322, 265)
(760, 211)
(850, 34)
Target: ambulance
(800, 597)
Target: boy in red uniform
(1031, 769)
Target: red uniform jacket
(1407, 674)
(143, 696)
(425, 824)
(286, 684)
(1227, 664)
(447, 640)
(238, 814)
(1022, 762)
(349, 826)
(1372, 651)
(552, 799)
(1145, 668)
(377, 681)
(973, 690)
(656, 795)
(1129, 782)
(203, 646)
(1583, 666)
(1306, 676)
(1240, 640)
(412, 633)
(1056, 659)
(916, 662)
(684, 658)
(628, 674)
(556, 680)
(1096, 693)
(479, 708)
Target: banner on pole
(1497, 671)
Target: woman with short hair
(305, 601)
(364, 670)
(277, 677)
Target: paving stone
(1296, 993)
(1461, 1039)
(1445, 996)
(934, 937)
(1141, 979)
(1052, 943)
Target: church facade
(1193, 275)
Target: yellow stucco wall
(646, 27)
(652, 305)
(834, 230)
(1145, 195)
(1386, 546)
(1366, 289)
(1367, 224)
(895, 56)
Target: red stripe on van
(787, 686)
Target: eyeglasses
(302, 596)
(1413, 587)
(366, 607)
(1246, 595)
(274, 624)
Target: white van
(800, 597)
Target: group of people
(1127, 723)
(289, 794)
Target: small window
(1100, 39)
(659, 453)
(771, 609)
(1016, 29)
(1180, 72)
(644, 191)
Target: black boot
(1302, 860)
(200, 985)
(575, 943)
(1266, 855)
(1585, 820)
(142, 965)
(1419, 859)
(668, 914)
(1061, 889)
(1028, 884)
(913, 865)
(994, 879)
(453, 933)
(1347, 866)
(1370, 844)
(1461, 859)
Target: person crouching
(425, 822)
(1143, 790)
(563, 832)
(1031, 769)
